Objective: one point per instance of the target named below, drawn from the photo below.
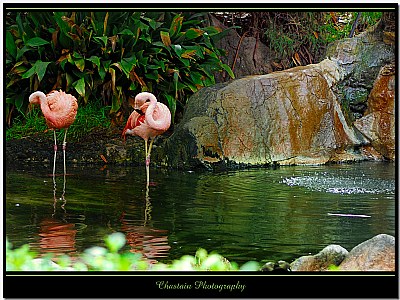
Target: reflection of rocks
(375, 254)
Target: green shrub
(110, 259)
(109, 56)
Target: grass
(88, 117)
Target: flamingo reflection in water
(57, 237)
(56, 234)
(151, 242)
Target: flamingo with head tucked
(59, 110)
(149, 119)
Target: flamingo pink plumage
(149, 119)
(59, 110)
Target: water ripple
(342, 185)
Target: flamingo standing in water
(149, 119)
(59, 110)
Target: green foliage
(338, 26)
(109, 259)
(109, 56)
(333, 268)
(299, 38)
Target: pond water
(256, 214)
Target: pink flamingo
(149, 119)
(59, 110)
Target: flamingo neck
(149, 114)
(46, 109)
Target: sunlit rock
(375, 254)
(287, 117)
(331, 255)
(360, 58)
(378, 124)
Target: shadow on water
(258, 214)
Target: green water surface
(257, 214)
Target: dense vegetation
(108, 56)
(298, 38)
(105, 58)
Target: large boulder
(375, 254)
(366, 92)
(361, 59)
(331, 255)
(378, 123)
(286, 117)
(245, 54)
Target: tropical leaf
(176, 25)
(165, 38)
(188, 54)
(10, 44)
(95, 60)
(36, 41)
(38, 68)
(193, 33)
(79, 61)
(127, 64)
(79, 86)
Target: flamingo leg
(55, 155)
(147, 163)
(151, 145)
(65, 147)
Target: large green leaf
(165, 38)
(176, 25)
(95, 60)
(79, 86)
(101, 40)
(10, 44)
(64, 27)
(193, 33)
(79, 61)
(36, 41)
(126, 31)
(41, 69)
(228, 70)
(38, 68)
(127, 64)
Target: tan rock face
(331, 255)
(375, 254)
(378, 123)
(287, 117)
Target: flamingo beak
(139, 111)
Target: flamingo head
(36, 97)
(142, 101)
